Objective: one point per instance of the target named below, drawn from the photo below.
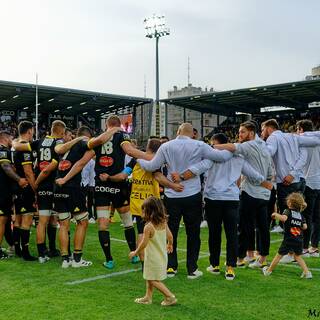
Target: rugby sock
(65, 257)
(16, 239)
(130, 237)
(52, 231)
(41, 249)
(69, 248)
(8, 233)
(77, 255)
(25, 236)
(104, 238)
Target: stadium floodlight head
(155, 26)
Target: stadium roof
(296, 95)
(21, 96)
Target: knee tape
(64, 216)
(81, 216)
(126, 219)
(103, 214)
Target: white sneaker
(43, 259)
(204, 224)
(196, 274)
(286, 259)
(214, 270)
(11, 251)
(314, 254)
(248, 259)
(305, 254)
(307, 275)
(257, 264)
(66, 264)
(265, 271)
(91, 220)
(276, 229)
(81, 263)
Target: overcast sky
(99, 45)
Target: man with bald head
(178, 154)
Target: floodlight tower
(155, 27)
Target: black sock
(77, 255)
(25, 236)
(52, 231)
(41, 249)
(69, 246)
(16, 239)
(104, 238)
(65, 257)
(130, 237)
(8, 233)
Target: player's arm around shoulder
(103, 138)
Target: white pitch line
(114, 274)
(297, 267)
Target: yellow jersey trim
(28, 162)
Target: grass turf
(31, 290)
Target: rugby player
(7, 176)
(144, 185)
(110, 158)
(25, 202)
(46, 167)
(70, 199)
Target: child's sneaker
(230, 275)
(169, 301)
(143, 300)
(265, 271)
(214, 270)
(307, 275)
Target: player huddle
(44, 176)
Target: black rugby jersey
(21, 158)
(110, 157)
(45, 153)
(69, 159)
(5, 181)
(293, 225)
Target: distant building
(177, 115)
(315, 74)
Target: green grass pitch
(35, 291)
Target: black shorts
(293, 246)
(140, 223)
(69, 199)
(6, 205)
(25, 201)
(111, 193)
(45, 199)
